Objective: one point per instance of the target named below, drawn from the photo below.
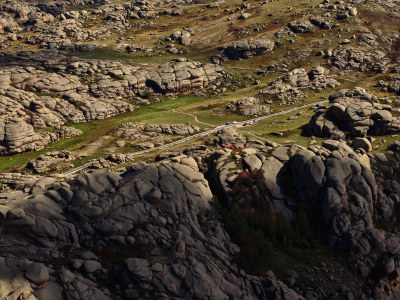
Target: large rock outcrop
(18, 136)
(56, 160)
(182, 76)
(349, 200)
(147, 231)
(248, 48)
(301, 27)
(48, 89)
(358, 59)
(355, 112)
(287, 89)
(249, 106)
(333, 184)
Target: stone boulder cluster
(160, 214)
(334, 183)
(322, 23)
(249, 106)
(145, 136)
(53, 161)
(353, 112)
(226, 168)
(13, 14)
(394, 85)
(340, 181)
(151, 230)
(110, 161)
(182, 36)
(17, 181)
(182, 75)
(17, 136)
(287, 89)
(330, 14)
(358, 59)
(246, 49)
(178, 129)
(301, 27)
(46, 89)
(60, 25)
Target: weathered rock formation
(322, 23)
(351, 58)
(146, 136)
(182, 76)
(160, 214)
(334, 185)
(46, 89)
(287, 89)
(247, 49)
(17, 136)
(178, 129)
(301, 27)
(355, 112)
(50, 161)
(249, 106)
(394, 85)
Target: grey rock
(248, 48)
(362, 143)
(90, 266)
(140, 268)
(252, 162)
(37, 273)
(353, 111)
(301, 27)
(352, 58)
(287, 89)
(183, 76)
(249, 106)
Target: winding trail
(354, 81)
(255, 135)
(204, 133)
(195, 118)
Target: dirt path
(193, 116)
(205, 133)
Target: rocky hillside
(192, 149)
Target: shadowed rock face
(394, 85)
(147, 231)
(349, 197)
(334, 185)
(342, 186)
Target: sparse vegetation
(154, 232)
(256, 229)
